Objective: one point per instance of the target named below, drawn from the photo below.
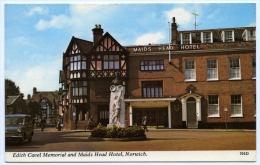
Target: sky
(36, 35)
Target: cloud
(45, 77)
(56, 22)
(37, 10)
(149, 38)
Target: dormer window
(228, 36)
(249, 35)
(186, 38)
(206, 37)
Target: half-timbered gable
(107, 58)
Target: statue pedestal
(117, 125)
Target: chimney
(28, 97)
(21, 94)
(34, 90)
(97, 33)
(174, 31)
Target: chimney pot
(97, 33)
(34, 90)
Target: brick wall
(174, 84)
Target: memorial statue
(116, 108)
(117, 103)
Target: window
(152, 65)
(186, 38)
(77, 63)
(212, 69)
(251, 35)
(213, 105)
(228, 36)
(253, 67)
(236, 105)
(190, 74)
(152, 89)
(79, 88)
(206, 37)
(111, 61)
(234, 68)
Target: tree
(10, 88)
(34, 108)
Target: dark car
(18, 127)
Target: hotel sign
(143, 49)
(189, 47)
(164, 48)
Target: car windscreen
(14, 121)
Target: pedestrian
(91, 123)
(43, 122)
(144, 122)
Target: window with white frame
(213, 105)
(228, 36)
(212, 69)
(190, 72)
(234, 68)
(251, 35)
(236, 105)
(206, 37)
(253, 67)
(186, 38)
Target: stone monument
(117, 104)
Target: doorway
(191, 113)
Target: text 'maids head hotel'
(202, 79)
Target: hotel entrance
(155, 116)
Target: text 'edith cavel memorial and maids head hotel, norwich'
(202, 79)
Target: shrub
(117, 132)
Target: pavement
(154, 129)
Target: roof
(11, 99)
(49, 95)
(83, 45)
(107, 35)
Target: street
(157, 140)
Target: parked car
(18, 127)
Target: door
(191, 115)
(103, 112)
